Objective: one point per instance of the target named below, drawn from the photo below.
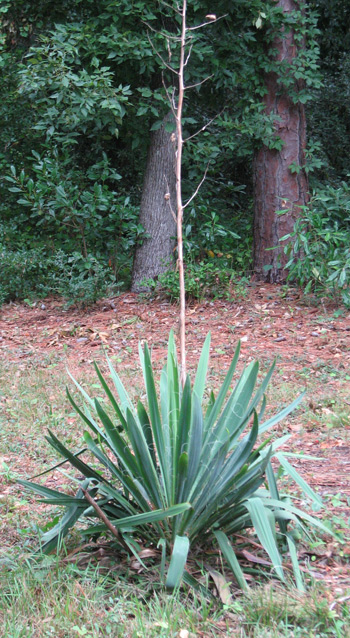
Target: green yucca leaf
(270, 475)
(90, 422)
(262, 408)
(150, 517)
(147, 470)
(134, 549)
(45, 491)
(147, 430)
(202, 369)
(263, 387)
(117, 444)
(263, 522)
(156, 424)
(115, 495)
(298, 479)
(182, 470)
(52, 539)
(125, 401)
(197, 586)
(301, 515)
(231, 559)
(173, 392)
(234, 417)
(194, 444)
(165, 417)
(177, 561)
(210, 406)
(103, 458)
(82, 467)
(216, 408)
(162, 545)
(184, 426)
(125, 480)
(211, 471)
(110, 397)
(281, 415)
(226, 475)
(295, 563)
(240, 456)
(81, 390)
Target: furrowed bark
(276, 188)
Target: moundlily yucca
(177, 477)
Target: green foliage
(170, 475)
(33, 273)
(319, 245)
(204, 231)
(82, 89)
(73, 206)
(204, 279)
(22, 273)
(329, 112)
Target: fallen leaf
(255, 559)
(222, 586)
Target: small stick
(104, 518)
(340, 600)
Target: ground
(311, 343)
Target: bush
(210, 279)
(319, 245)
(23, 273)
(79, 280)
(177, 478)
(32, 273)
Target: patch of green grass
(274, 612)
(47, 599)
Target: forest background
(87, 147)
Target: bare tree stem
(180, 208)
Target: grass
(47, 598)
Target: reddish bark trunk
(275, 186)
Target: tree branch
(168, 66)
(104, 518)
(204, 24)
(203, 127)
(193, 86)
(197, 189)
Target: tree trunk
(276, 188)
(158, 207)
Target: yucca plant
(175, 477)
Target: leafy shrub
(319, 245)
(30, 273)
(78, 209)
(81, 281)
(176, 478)
(202, 280)
(22, 274)
(207, 233)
